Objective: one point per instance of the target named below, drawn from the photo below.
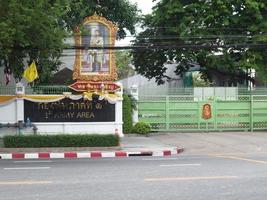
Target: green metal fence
(184, 113)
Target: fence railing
(48, 89)
(59, 89)
(7, 90)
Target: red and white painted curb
(93, 154)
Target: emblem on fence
(206, 111)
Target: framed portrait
(92, 61)
(206, 111)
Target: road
(220, 177)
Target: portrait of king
(94, 62)
(97, 61)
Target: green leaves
(127, 114)
(61, 140)
(123, 63)
(31, 32)
(142, 128)
(233, 25)
(121, 12)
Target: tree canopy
(223, 35)
(124, 64)
(121, 12)
(34, 30)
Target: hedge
(127, 114)
(141, 128)
(35, 141)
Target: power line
(151, 46)
(185, 37)
(179, 46)
(170, 47)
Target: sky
(146, 7)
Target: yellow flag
(30, 73)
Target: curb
(92, 154)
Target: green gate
(185, 113)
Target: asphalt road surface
(218, 177)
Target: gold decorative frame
(112, 74)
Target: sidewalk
(216, 143)
(156, 144)
(131, 145)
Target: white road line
(33, 161)
(180, 165)
(25, 168)
(190, 178)
(24, 182)
(160, 159)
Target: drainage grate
(141, 154)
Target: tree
(121, 12)
(222, 35)
(198, 81)
(123, 63)
(34, 30)
(127, 114)
(29, 30)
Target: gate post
(215, 112)
(167, 112)
(20, 90)
(134, 93)
(251, 112)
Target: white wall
(8, 112)
(77, 128)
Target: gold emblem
(206, 111)
(98, 106)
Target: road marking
(160, 158)
(25, 168)
(196, 178)
(244, 159)
(180, 165)
(236, 153)
(33, 161)
(24, 182)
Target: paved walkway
(143, 143)
(216, 143)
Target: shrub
(32, 141)
(127, 114)
(141, 128)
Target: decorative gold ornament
(97, 65)
(206, 111)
